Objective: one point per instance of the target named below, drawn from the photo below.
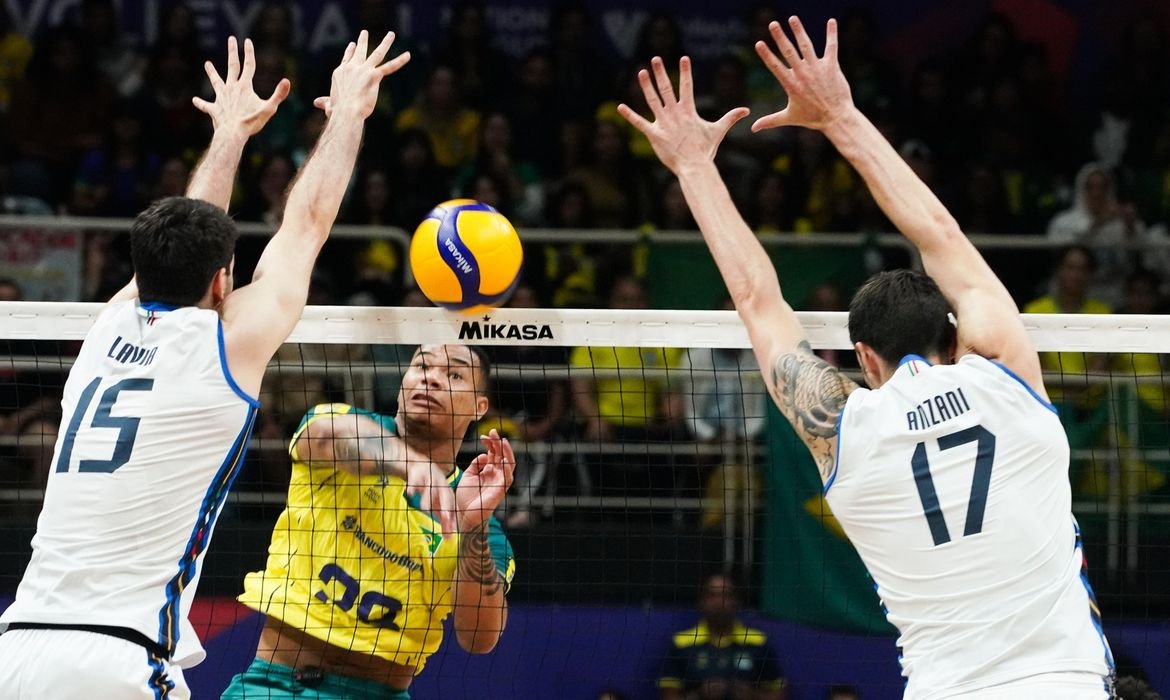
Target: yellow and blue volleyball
(466, 256)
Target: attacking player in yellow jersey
(381, 539)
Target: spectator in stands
(173, 174)
(372, 268)
(570, 270)
(417, 181)
(770, 209)
(439, 112)
(740, 154)
(483, 71)
(173, 77)
(117, 61)
(520, 179)
(1099, 221)
(529, 406)
(1069, 294)
(265, 198)
(931, 111)
(724, 407)
(59, 110)
(533, 110)
(15, 52)
(1077, 400)
(1141, 472)
(117, 179)
(872, 80)
(630, 407)
(273, 63)
(612, 694)
(820, 179)
(839, 691)
(720, 658)
(617, 188)
(581, 72)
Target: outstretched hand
(679, 136)
(816, 87)
(236, 102)
(356, 79)
(484, 483)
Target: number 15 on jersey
(103, 419)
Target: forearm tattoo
(476, 563)
(811, 393)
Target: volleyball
(466, 256)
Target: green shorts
(265, 680)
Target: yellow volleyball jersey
(355, 563)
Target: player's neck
(442, 449)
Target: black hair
(900, 313)
(177, 245)
(485, 366)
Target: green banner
(683, 275)
(812, 574)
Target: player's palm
(816, 87)
(357, 77)
(236, 102)
(485, 482)
(679, 136)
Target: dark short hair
(485, 366)
(177, 245)
(900, 313)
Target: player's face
(440, 393)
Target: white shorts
(74, 665)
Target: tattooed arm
(352, 442)
(360, 445)
(811, 394)
(478, 603)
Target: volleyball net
(649, 456)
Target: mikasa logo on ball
(460, 262)
(476, 330)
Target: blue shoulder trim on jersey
(227, 373)
(1027, 386)
(912, 358)
(157, 306)
(837, 456)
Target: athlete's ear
(481, 406)
(221, 286)
(871, 365)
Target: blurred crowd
(93, 126)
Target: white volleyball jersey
(153, 434)
(952, 483)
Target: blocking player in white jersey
(159, 407)
(950, 477)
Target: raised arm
(819, 98)
(479, 603)
(809, 392)
(259, 317)
(237, 114)
(358, 444)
